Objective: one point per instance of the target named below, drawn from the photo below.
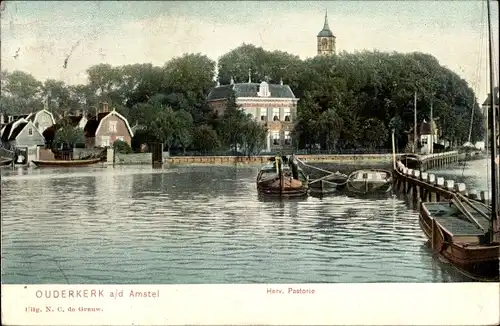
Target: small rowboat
(328, 184)
(370, 181)
(411, 161)
(5, 162)
(66, 163)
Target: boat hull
(411, 161)
(291, 188)
(6, 162)
(475, 260)
(62, 163)
(365, 187)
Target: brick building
(272, 104)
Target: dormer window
(276, 114)
(287, 114)
(264, 90)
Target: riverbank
(334, 158)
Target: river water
(200, 224)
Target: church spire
(325, 26)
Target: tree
(20, 93)
(184, 128)
(205, 138)
(232, 123)
(254, 136)
(67, 136)
(330, 124)
(58, 95)
(122, 147)
(375, 132)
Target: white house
(428, 136)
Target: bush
(122, 147)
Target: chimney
(218, 83)
(105, 108)
(232, 81)
(281, 81)
(2, 119)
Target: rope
(322, 170)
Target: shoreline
(260, 160)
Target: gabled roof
(94, 124)
(425, 127)
(17, 130)
(33, 116)
(10, 127)
(6, 130)
(249, 90)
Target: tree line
(349, 100)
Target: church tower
(326, 39)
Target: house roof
(487, 102)
(73, 120)
(17, 130)
(425, 127)
(249, 90)
(32, 116)
(94, 124)
(6, 130)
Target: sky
(36, 36)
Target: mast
(493, 133)
(415, 123)
(431, 147)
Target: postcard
(249, 163)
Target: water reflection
(199, 225)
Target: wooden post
(393, 151)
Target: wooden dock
(428, 187)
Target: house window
(112, 126)
(30, 131)
(276, 114)
(263, 114)
(287, 114)
(288, 138)
(276, 137)
(104, 141)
